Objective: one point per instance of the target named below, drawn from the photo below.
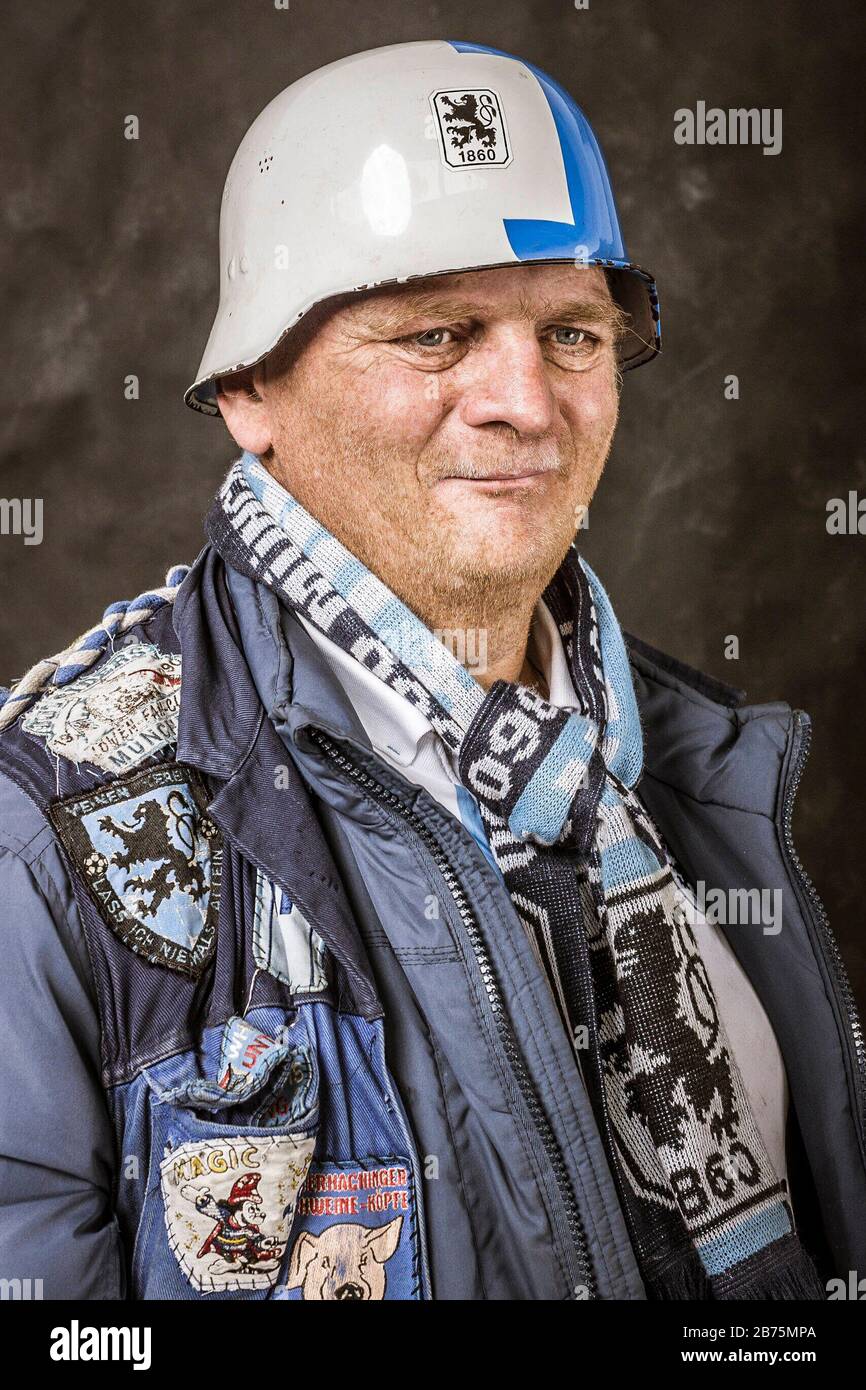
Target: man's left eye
(431, 337)
(573, 337)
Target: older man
(350, 879)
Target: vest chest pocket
(231, 1132)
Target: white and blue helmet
(412, 160)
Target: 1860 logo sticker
(471, 128)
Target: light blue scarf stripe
(543, 806)
(627, 864)
(744, 1239)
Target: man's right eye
(426, 339)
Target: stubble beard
(413, 549)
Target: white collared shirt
(404, 737)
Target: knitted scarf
(592, 882)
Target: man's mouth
(498, 482)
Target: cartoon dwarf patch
(229, 1206)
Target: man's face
(448, 433)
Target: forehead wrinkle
(431, 303)
(593, 310)
(436, 304)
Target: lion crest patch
(151, 859)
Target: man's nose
(509, 384)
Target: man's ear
(244, 411)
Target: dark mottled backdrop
(711, 519)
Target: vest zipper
(839, 975)
(494, 997)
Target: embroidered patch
(229, 1205)
(356, 1234)
(115, 716)
(151, 859)
(471, 128)
(284, 943)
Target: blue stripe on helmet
(594, 234)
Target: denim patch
(151, 860)
(243, 1074)
(284, 942)
(295, 1087)
(116, 715)
(355, 1234)
(229, 1205)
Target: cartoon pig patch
(355, 1234)
(345, 1261)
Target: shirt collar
(396, 727)
(546, 649)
